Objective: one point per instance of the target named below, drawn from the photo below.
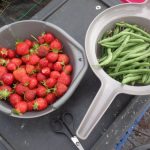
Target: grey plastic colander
(132, 13)
(22, 30)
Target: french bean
(131, 79)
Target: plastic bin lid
(132, 1)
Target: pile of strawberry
(35, 74)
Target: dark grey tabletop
(74, 16)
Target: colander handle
(100, 104)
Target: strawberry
(11, 53)
(68, 69)
(11, 66)
(50, 82)
(43, 62)
(3, 62)
(40, 77)
(60, 89)
(5, 92)
(25, 80)
(30, 105)
(55, 75)
(64, 78)
(41, 39)
(52, 57)
(30, 69)
(19, 73)
(8, 78)
(58, 66)
(3, 52)
(42, 50)
(50, 65)
(17, 61)
(14, 99)
(56, 45)
(48, 37)
(29, 95)
(20, 89)
(33, 59)
(46, 71)
(28, 42)
(22, 48)
(40, 104)
(33, 83)
(41, 91)
(3, 70)
(25, 58)
(50, 98)
(20, 108)
(63, 58)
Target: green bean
(119, 50)
(130, 79)
(129, 55)
(144, 64)
(108, 59)
(139, 71)
(134, 28)
(116, 30)
(147, 54)
(110, 46)
(125, 33)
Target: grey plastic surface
(23, 30)
(134, 13)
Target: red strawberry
(50, 65)
(11, 53)
(43, 62)
(50, 98)
(14, 99)
(25, 80)
(8, 78)
(5, 92)
(41, 91)
(40, 77)
(20, 107)
(29, 95)
(33, 83)
(63, 58)
(50, 82)
(64, 78)
(22, 48)
(11, 66)
(3, 52)
(28, 42)
(33, 59)
(19, 73)
(30, 105)
(58, 66)
(5, 87)
(3, 62)
(30, 69)
(25, 58)
(40, 104)
(56, 45)
(41, 39)
(42, 50)
(20, 89)
(17, 61)
(68, 69)
(3, 70)
(52, 57)
(55, 75)
(46, 71)
(60, 89)
(48, 37)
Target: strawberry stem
(15, 111)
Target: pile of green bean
(125, 54)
